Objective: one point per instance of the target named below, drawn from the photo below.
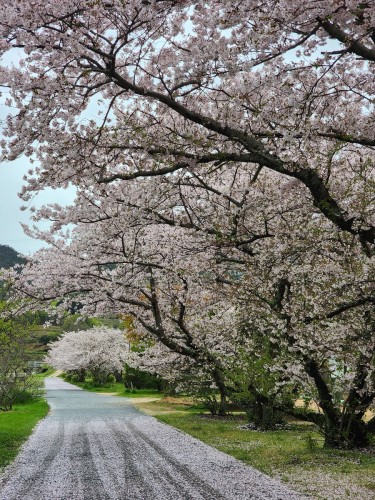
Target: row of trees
(223, 157)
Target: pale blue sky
(11, 216)
(11, 181)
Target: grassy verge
(16, 426)
(47, 373)
(117, 389)
(296, 455)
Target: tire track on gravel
(136, 470)
(126, 478)
(84, 470)
(206, 491)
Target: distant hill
(9, 257)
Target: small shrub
(130, 391)
(312, 444)
(139, 379)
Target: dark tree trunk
(262, 410)
(219, 379)
(81, 375)
(99, 377)
(351, 433)
(343, 427)
(223, 404)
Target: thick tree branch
(354, 46)
(257, 154)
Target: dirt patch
(176, 401)
(314, 407)
(156, 411)
(146, 399)
(106, 393)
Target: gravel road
(95, 447)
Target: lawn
(16, 426)
(118, 389)
(294, 455)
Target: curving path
(94, 447)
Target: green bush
(139, 379)
(75, 323)
(27, 395)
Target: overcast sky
(11, 181)
(11, 216)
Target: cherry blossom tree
(220, 151)
(100, 351)
(307, 289)
(192, 87)
(157, 285)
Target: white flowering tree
(99, 351)
(306, 289)
(191, 87)
(222, 153)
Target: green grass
(16, 426)
(110, 322)
(113, 387)
(47, 373)
(117, 388)
(295, 455)
(141, 393)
